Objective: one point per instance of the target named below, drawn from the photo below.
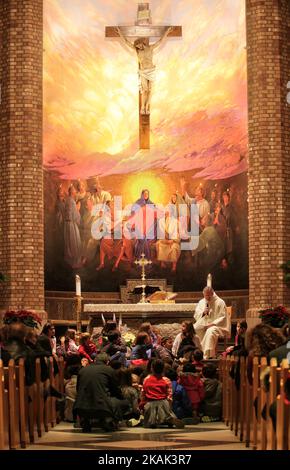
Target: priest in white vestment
(211, 321)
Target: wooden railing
(247, 406)
(25, 412)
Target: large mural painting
(106, 199)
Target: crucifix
(143, 262)
(143, 30)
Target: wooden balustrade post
(243, 403)
(263, 406)
(272, 399)
(255, 396)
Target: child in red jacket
(87, 348)
(157, 398)
(194, 387)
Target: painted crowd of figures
(82, 215)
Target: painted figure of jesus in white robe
(212, 321)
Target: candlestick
(78, 309)
(78, 286)
(209, 280)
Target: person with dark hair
(239, 346)
(130, 393)
(187, 337)
(260, 341)
(114, 348)
(149, 329)
(211, 406)
(164, 350)
(99, 395)
(283, 351)
(101, 339)
(181, 404)
(141, 351)
(196, 358)
(14, 347)
(47, 338)
(194, 387)
(67, 346)
(157, 398)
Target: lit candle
(78, 286)
(209, 281)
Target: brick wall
(268, 33)
(21, 188)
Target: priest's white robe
(218, 317)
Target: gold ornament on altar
(143, 262)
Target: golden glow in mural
(198, 142)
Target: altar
(134, 314)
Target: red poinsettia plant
(27, 317)
(276, 317)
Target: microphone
(206, 312)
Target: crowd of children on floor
(158, 386)
(141, 379)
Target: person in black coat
(99, 396)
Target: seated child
(87, 348)
(181, 405)
(141, 351)
(211, 406)
(196, 358)
(130, 393)
(239, 346)
(194, 387)
(115, 348)
(157, 398)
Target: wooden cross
(143, 29)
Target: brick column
(268, 33)
(21, 187)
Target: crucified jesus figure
(146, 67)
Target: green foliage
(3, 278)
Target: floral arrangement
(25, 316)
(276, 317)
(129, 338)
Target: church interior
(144, 226)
